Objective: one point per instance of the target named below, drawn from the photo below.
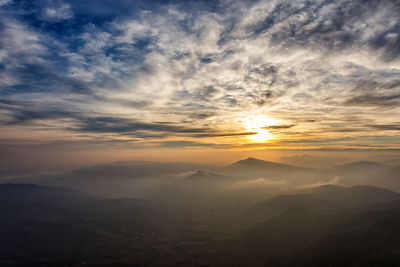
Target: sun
(262, 135)
(257, 123)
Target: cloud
(5, 2)
(118, 67)
(122, 125)
(185, 144)
(334, 181)
(221, 134)
(257, 184)
(56, 12)
(375, 100)
(279, 127)
(387, 127)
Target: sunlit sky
(198, 75)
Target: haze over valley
(248, 213)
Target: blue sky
(147, 74)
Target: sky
(199, 80)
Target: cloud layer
(189, 73)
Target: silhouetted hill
(358, 195)
(257, 167)
(252, 168)
(21, 191)
(302, 236)
(327, 226)
(135, 170)
(358, 164)
(203, 176)
(368, 173)
(14, 172)
(125, 179)
(326, 200)
(45, 226)
(280, 236)
(367, 239)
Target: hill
(252, 168)
(326, 200)
(368, 173)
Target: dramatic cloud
(170, 72)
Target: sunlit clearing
(257, 124)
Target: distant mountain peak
(199, 174)
(327, 187)
(362, 163)
(258, 163)
(251, 160)
(256, 168)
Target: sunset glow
(258, 124)
(93, 79)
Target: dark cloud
(201, 115)
(24, 116)
(26, 111)
(331, 24)
(216, 134)
(386, 127)
(44, 78)
(373, 85)
(185, 144)
(133, 128)
(374, 100)
(206, 93)
(279, 127)
(123, 125)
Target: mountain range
(249, 213)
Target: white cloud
(58, 12)
(5, 2)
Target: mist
(151, 213)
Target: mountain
(28, 193)
(368, 173)
(45, 226)
(124, 179)
(257, 167)
(326, 200)
(203, 176)
(359, 164)
(302, 236)
(136, 170)
(252, 168)
(203, 190)
(325, 226)
(357, 195)
(14, 172)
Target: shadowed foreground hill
(302, 236)
(326, 200)
(327, 226)
(332, 226)
(44, 226)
